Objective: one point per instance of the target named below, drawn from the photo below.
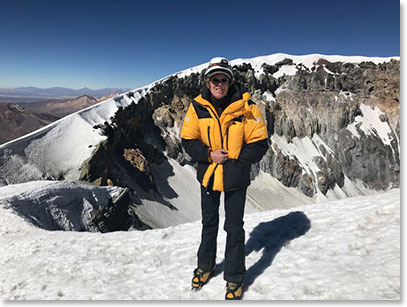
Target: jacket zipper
(209, 136)
(227, 139)
(220, 127)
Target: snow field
(343, 250)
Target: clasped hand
(219, 156)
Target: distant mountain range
(19, 118)
(30, 93)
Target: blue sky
(124, 43)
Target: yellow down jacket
(240, 130)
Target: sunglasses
(216, 80)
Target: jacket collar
(238, 97)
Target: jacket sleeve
(191, 137)
(256, 138)
(252, 153)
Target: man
(225, 132)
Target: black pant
(235, 268)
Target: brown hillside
(16, 121)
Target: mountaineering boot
(233, 291)
(201, 278)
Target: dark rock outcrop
(323, 102)
(116, 215)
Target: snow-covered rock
(54, 205)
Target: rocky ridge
(318, 104)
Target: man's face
(219, 86)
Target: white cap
(219, 65)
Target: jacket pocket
(202, 168)
(235, 177)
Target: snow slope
(343, 250)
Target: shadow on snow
(271, 237)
